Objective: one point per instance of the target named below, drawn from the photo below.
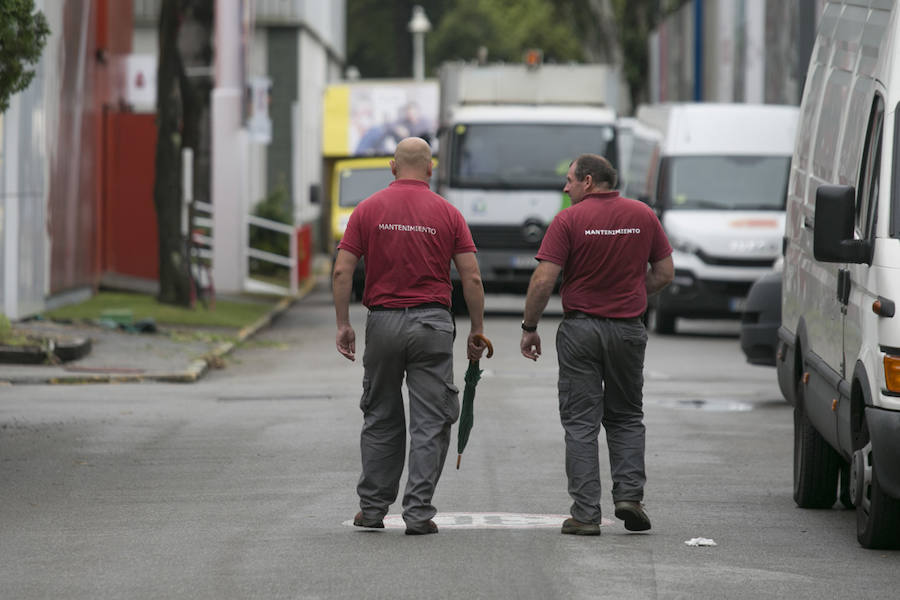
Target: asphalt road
(241, 485)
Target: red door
(129, 236)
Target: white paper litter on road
(700, 542)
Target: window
(869, 175)
(359, 184)
(523, 155)
(724, 182)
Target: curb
(190, 374)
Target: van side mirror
(833, 234)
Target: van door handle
(808, 223)
(843, 286)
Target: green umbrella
(467, 416)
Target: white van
(717, 177)
(839, 344)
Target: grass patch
(11, 337)
(227, 313)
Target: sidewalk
(170, 355)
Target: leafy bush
(274, 207)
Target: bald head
(412, 159)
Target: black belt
(577, 314)
(416, 307)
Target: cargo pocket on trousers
(451, 401)
(364, 400)
(564, 388)
(634, 346)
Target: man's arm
(660, 275)
(341, 286)
(539, 289)
(473, 292)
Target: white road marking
(488, 520)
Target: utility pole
(419, 25)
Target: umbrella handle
(486, 342)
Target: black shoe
(633, 514)
(422, 529)
(360, 521)
(573, 527)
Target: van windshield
(725, 182)
(524, 156)
(359, 184)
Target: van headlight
(683, 245)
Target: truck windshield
(359, 184)
(524, 156)
(725, 182)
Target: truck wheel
(663, 322)
(816, 465)
(877, 514)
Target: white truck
(717, 176)
(507, 136)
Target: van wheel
(663, 322)
(877, 514)
(816, 465)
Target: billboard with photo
(369, 118)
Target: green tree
(506, 28)
(378, 42)
(607, 31)
(23, 34)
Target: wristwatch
(529, 328)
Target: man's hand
(346, 341)
(476, 345)
(531, 345)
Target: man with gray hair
(408, 236)
(603, 245)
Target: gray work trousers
(601, 377)
(419, 344)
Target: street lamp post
(419, 25)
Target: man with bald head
(408, 236)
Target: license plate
(523, 262)
(737, 304)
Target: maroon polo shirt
(408, 235)
(604, 244)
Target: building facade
(753, 51)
